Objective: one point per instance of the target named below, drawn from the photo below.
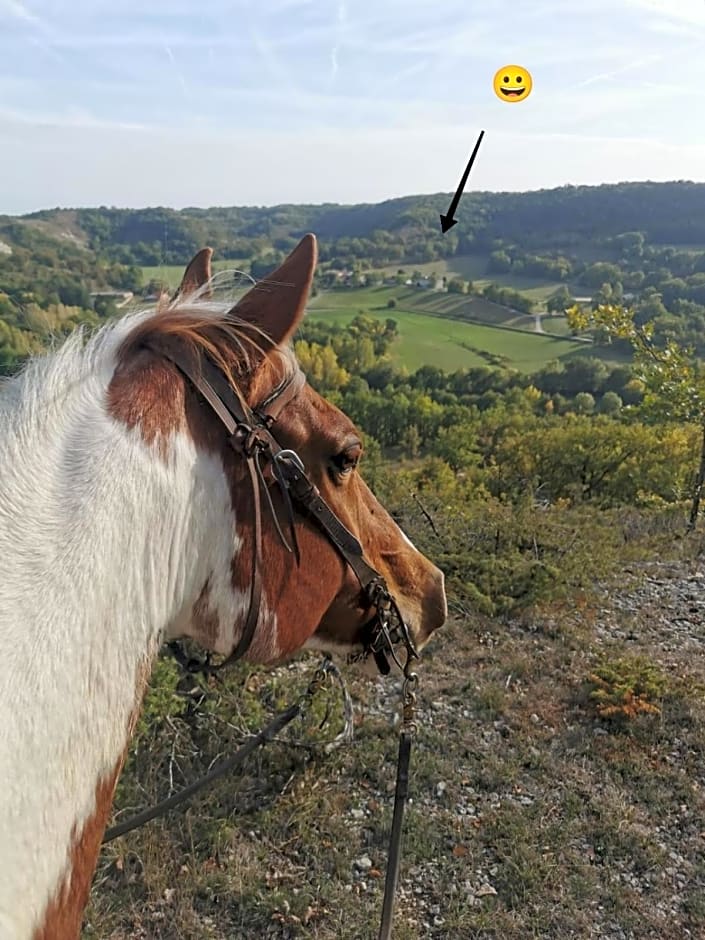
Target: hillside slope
(529, 817)
(666, 213)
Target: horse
(131, 490)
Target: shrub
(626, 687)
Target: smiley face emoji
(512, 83)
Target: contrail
(178, 71)
(637, 63)
(342, 15)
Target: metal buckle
(291, 455)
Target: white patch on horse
(102, 545)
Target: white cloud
(18, 11)
(177, 71)
(72, 117)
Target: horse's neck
(95, 537)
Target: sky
(257, 102)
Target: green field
(170, 274)
(449, 306)
(432, 339)
(461, 307)
(556, 326)
(470, 267)
(474, 268)
(451, 331)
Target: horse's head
(316, 600)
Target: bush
(498, 556)
(626, 687)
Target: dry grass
(531, 816)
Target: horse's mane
(235, 345)
(85, 362)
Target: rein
(277, 724)
(249, 434)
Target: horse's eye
(346, 461)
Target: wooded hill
(642, 241)
(397, 229)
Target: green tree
(499, 263)
(584, 403)
(610, 404)
(599, 273)
(411, 441)
(559, 300)
(673, 378)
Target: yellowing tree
(321, 365)
(673, 377)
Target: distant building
(121, 297)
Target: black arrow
(447, 221)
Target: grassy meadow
(432, 333)
(474, 268)
(169, 275)
(451, 331)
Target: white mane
(103, 550)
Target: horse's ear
(276, 304)
(196, 275)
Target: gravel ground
(528, 817)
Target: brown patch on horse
(320, 576)
(145, 392)
(412, 578)
(64, 914)
(63, 917)
(206, 623)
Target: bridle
(250, 436)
